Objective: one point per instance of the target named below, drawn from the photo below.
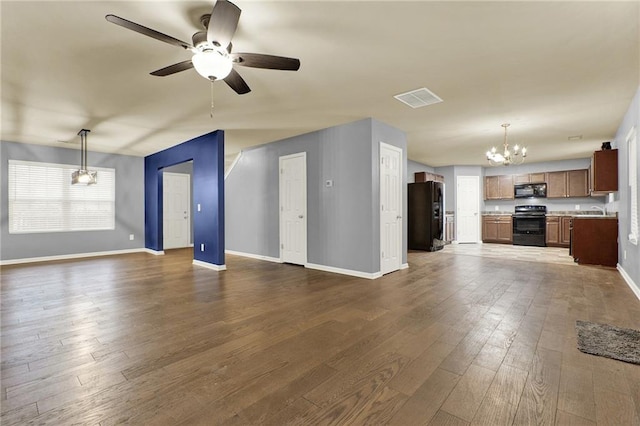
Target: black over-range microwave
(530, 190)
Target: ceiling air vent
(419, 98)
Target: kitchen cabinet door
(506, 187)
(604, 172)
(565, 229)
(556, 184)
(553, 231)
(489, 229)
(491, 188)
(537, 177)
(505, 229)
(578, 183)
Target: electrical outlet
(497, 208)
(198, 206)
(577, 206)
(202, 247)
(130, 237)
(624, 254)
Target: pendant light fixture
(83, 176)
(507, 157)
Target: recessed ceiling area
(553, 70)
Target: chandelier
(507, 157)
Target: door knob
(398, 217)
(300, 216)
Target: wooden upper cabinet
(578, 183)
(556, 184)
(529, 178)
(604, 172)
(491, 188)
(426, 177)
(506, 187)
(537, 178)
(498, 187)
(572, 183)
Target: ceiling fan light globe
(212, 64)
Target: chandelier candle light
(506, 158)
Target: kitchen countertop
(583, 213)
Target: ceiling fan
(212, 56)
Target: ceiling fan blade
(172, 69)
(223, 23)
(147, 31)
(258, 60)
(237, 83)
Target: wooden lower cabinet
(595, 241)
(497, 229)
(558, 231)
(565, 230)
(553, 230)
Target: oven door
(529, 230)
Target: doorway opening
(177, 218)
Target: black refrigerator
(426, 216)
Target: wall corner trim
(253, 256)
(70, 256)
(633, 286)
(154, 252)
(359, 274)
(404, 266)
(210, 265)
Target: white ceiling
(551, 69)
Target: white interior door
(390, 208)
(468, 209)
(293, 208)
(176, 211)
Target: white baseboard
(154, 252)
(72, 256)
(404, 266)
(253, 256)
(359, 274)
(633, 286)
(210, 265)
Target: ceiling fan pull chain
(211, 113)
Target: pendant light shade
(82, 176)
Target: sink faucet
(602, 209)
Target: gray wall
(343, 226)
(631, 264)
(129, 205)
(413, 167)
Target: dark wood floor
(452, 340)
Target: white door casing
(176, 210)
(293, 208)
(467, 209)
(390, 208)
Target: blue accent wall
(207, 153)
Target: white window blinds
(42, 199)
(632, 141)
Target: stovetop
(530, 210)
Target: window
(42, 199)
(632, 145)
